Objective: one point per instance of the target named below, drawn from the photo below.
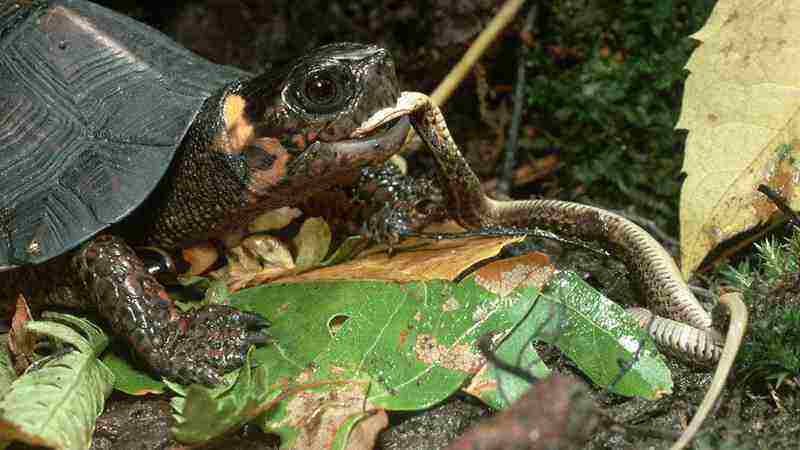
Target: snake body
(690, 334)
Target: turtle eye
(325, 90)
(321, 89)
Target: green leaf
(596, 333)
(91, 338)
(381, 345)
(205, 413)
(500, 388)
(600, 337)
(129, 379)
(7, 372)
(415, 340)
(57, 404)
(372, 345)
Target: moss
(606, 95)
(770, 282)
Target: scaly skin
(259, 143)
(651, 266)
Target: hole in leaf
(336, 322)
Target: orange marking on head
(263, 180)
(238, 128)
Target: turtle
(113, 138)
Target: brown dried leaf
(269, 251)
(200, 257)
(258, 260)
(21, 343)
(319, 414)
(422, 261)
(502, 277)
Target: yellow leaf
(741, 106)
(428, 261)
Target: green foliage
(202, 412)
(7, 373)
(130, 380)
(343, 348)
(601, 338)
(607, 92)
(770, 285)
(56, 404)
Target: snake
(681, 326)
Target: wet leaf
(130, 380)
(599, 336)
(56, 405)
(596, 333)
(396, 346)
(741, 106)
(203, 413)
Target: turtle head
(297, 127)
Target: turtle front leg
(189, 347)
(397, 205)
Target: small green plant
(771, 286)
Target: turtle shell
(93, 106)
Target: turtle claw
(259, 339)
(254, 321)
(213, 340)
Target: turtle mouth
(380, 123)
(383, 138)
(407, 103)
(378, 137)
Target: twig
(510, 153)
(482, 42)
(484, 345)
(780, 203)
(732, 301)
(502, 231)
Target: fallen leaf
(335, 419)
(200, 257)
(274, 219)
(312, 243)
(21, 343)
(741, 106)
(418, 259)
